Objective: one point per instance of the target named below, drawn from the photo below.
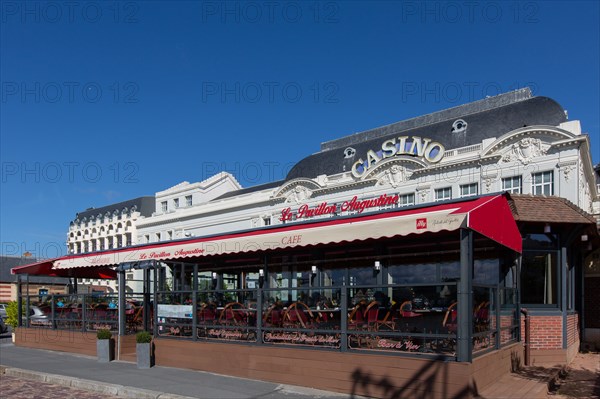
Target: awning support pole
(20, 300)
(464, 332)
(121, 276)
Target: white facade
(106, 228)
(538, 160)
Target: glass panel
(487, 271)
(407, 319)
(484, 319)
(227, 315)
(413, 273)
(362, 276)
(540, 241)
(313, 319)
(539, 278)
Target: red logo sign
(421, 223)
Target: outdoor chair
(297, 315)
(233, 314)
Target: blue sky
(106, 101)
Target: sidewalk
(580, 379)
(124, 379)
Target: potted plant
(105, 346)
(12, 317)
(143, 349)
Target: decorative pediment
(525, 150)
(393, 172)
(524, 144)
(297, 190)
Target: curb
(89, 385)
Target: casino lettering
(432, 151)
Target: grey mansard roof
(144, 205)
(490, 117)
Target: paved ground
(15, 387)
(125, 379)
(85, 378)
(582, 379)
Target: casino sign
(414, 146)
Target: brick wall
(546, 332)
(592, 302)
(572, 329)
(5, 292)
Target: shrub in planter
(105, 346)
(144, 350)
(12, 316)
(143, 337)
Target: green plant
(143, 337)
(103, 333)
(12, 314)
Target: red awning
(46, 268)
(490, 216)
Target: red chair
(207, 314)
(234, 313)
(297, 315)
(406, 310)
(450, 321)
(356, 319)
(272, 317)
(372, 315)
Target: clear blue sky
(106, 101)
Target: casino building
(425, 257)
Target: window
(176, 203)
(163, 206)
(542, 183)
(406, 199)
(267, 221)
(442, 194)
(467, 190)
(170, 234)
(157, 237)
(512, 184)
(539, 270)
(539, 278)
(188, 200)
(147, 238)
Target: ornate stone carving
(567, 169)
(394, 176)
(525, 151)
(298, 194)
(489, 181)
(423, 193)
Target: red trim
(490, 216)
(463, 207)
(45, 268)
(495, 220)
